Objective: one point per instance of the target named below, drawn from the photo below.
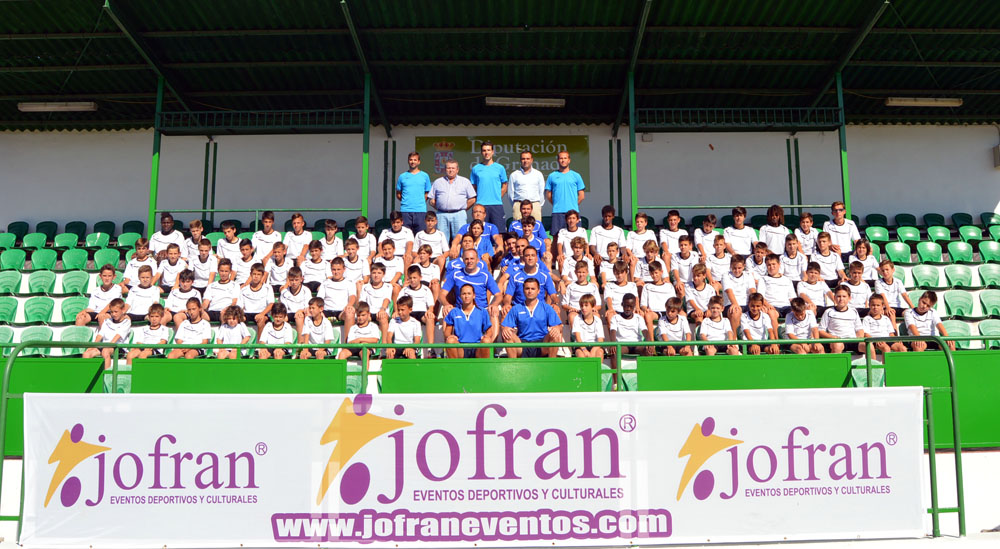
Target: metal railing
(667, 119)
(258, 122)
(730, 206)
(935, 510)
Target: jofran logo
(838, 461)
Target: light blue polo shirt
(534, 325)
(413, 186)
(488, 180)
(468, 329)
(515, 288)
(480, 280)
(564, 187)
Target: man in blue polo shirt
(530, 270)
(564, 189)
(469, 324)
(490, 231)
(480, 280)
(532, 322)
(412, 187)
(490, 181)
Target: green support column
(364, 145)
(154, 177)
(633, 169)
(844, 173)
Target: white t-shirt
(569, 268)
(160, 241)
(715, 331)
(241, 269)
(99, 298)
(132, 269)
(335, 293)
(203, 269)
(148, 335)
(774, 237)
(859, 294)
(627, 329)
(272, 336)
(366, 245)
(110, 329)
(758, 270)
(683, 266)
(676, 331)
(400, 239)
(828, 265)
(264, 243)
(801, 329)
(926, 324)
(189, 333)
(843, 235)
(807, 240)
(255, 301)
(295, 242)
(332, 249)
(437, 242)
(634, 242)
(700, 297)
(314, 272)
(392, 266)
(815, 292)
(565, 238)
(601, 237)
(871, 266)
(296, 302)
(168, 272)
(429, 273)
(669, 239)
(376, 298)
(222, 295)
(841, 323)
(883, 327)
(641, 270)
(423, 297)
(405, 332)
(228, 250)
(318, 334)
(231, 335)
(277, 275)
(740, 240)
(757, 327)
(654, 297)
(575, 291)
(794, 267)
(357, 270)
(369, 330)
(718, 266)
(740, 286)
(177, 300)
(893, 292)
(189, 250)
(616, 293)
(707, 240)
(140, 299)
(779, 291)
(588, 333)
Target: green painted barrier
(470, 375)
(240, 376)
(978, 379)
(46, 375)
(725, 372)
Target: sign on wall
(436, 150)
(494, 470)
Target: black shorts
(200, 290)
(862, 311)
(276, 288)
(165, 289)
(136, 318)
(357, 352)
(819, 311)
(332, 314)
(419, 315)
(93, 316)
(313, 286)
(250, 318)
(719, 349)
(933, 346)
(631, 349)
(532, 352)
(728, 308)
(469, 353)
(783, 311)
(898, 310)
(832, 283)
(214, 316)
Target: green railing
(617, 369)
(730, 206)
(257, 211)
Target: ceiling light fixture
(923, 101)
(525, 102)
(62, 106)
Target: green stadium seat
(914, 296)
(44, 259)
(119, 277)
(959, 276)
(248, 235)
(876, 251)
(908, 234)
(758, 220)
(958, 328)
(819, 220)
(75, 282)
(990, 300)
(134, 226)
(961, 252)
(214, 237)
(899, 253)
(989, 250)
(989, 275)
(905, 220)
(877, 233)
(41, 282)
(65, 241)
(791, 221)
(320, 225)
(74, 259)
(36, 333)
(931, 219)
(79, 228)
(288, 225)
(988, 219)
(13, 259)
(76, 334)
(878, 220)
(207, 226)
(7, 240)
(960, 219)
(959, 304)
(38, 310)
(236, 223)
(926, 277)
(318, 235)
(990, 327)
(938, 233)
(107, 256)
(726, 221)
(6, 339)
(97, 241)
(71, 306)
(19, 228)
(970, 233)
(127, 240)
(995, 232)
(48, 228)
(129, 254)
(856, 219)
(33, 241)
(584, 222)
(383, 224)
(107, 227)
(10, 282)
(8, 309)
(930, 253)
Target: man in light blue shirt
(451, 196)
(412, 188)
(490, 180)
(564, 189)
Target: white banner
(564, 469)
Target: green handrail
(724, 206)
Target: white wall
(105, 175)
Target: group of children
(488, 284)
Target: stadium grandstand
(395, 198)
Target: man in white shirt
(527, 183)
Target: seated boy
(878, 324)
(364, 331)
(333, 245)
(923, 320)
(628, 327)
(716, 328)
(221, 293)
(757, 326)
(97, 304)
(266, 237)
(337, 295)
(841, 320)
(801, 323)
(404, 328)
(114, 329)
(674, 326)
(316, 331)
(588, 328)
(421, 299)
(165, 236)
(169, 268)
(276, 332)
(175, 306)
(435, 240)
(195, 330)
(156, 333)
(142, 296)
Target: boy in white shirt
(801, 324)
(607, 233)
(628, 327)
(114, 329)
(860, 290)
(365, 331)
(243, 263)
(97, 304)
(566, 235)
(295, 297)
(698, 294)
(155, 333)
(195, 330)
(806, 235)
(615, 292)
(814, 290)
(653, 302)
(740, 238)
(756, 265)
(841, 321)
(606, 269)
(434, 239)
(264, 239)
(737, 286)
(774, 232)
(757, 326)
(297, 240)
(588, 328)
(142, 296)
(568, 268)
(842, 231)
(830, 265)
(205, 266)
(315, 269)
(318, 330)
(222, 293)
(704, 236)
(877, 324)
(923, 320)
(430, 272)
(378, 295)
(393, 264)
(166, 276)
(189, 250)
(777, 289)
(232, 331)
(333, 246)
(404, 328)
(671, 234)
(401, 236)
(573, 293)
(643, 265)
(175, 307)
(257, 298)
(891, 288)
(793, 262)
(276, 332)
(421, 298)
(228, 246)
(367, 246)
(716, 328)
(165, 236)
(338, 296)
(139, 258)
(718, 263)
(277, 267)
(637, 239)
(674, 326)
(356, 268)
(682, 262)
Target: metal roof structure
(434, 62)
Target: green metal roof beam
(878, 8)
(640, 31)
(364, 65)
(125, 25)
